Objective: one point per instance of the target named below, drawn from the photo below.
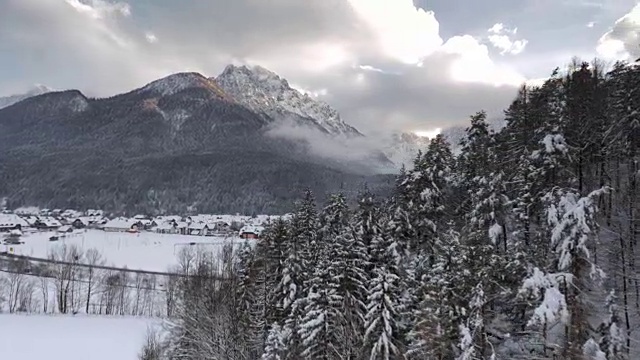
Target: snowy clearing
(140, 251)
(29, 337)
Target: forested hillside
(525, 246)
(178, 144)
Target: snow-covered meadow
(58, 337)
(91, 336)
(139, 251)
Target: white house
(48, 223)
(65, 229)
(166, 228)
(10, 222)
(199, 229)
(31, 220)
(122, 225)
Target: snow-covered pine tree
(321, 320)
(323, 327)
(271, 252)
(301, 252)
(473, 336)
(349, 261)
(613, 341)
(246, 295)
(382, 338)
(565, 284)
(475, 157)
(441, 309)
(366, 225)
(428, 183)
(487, 205)
(514, 145)
(275, 345)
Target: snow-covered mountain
(175, 83)
(262, 90)
(12, 99)
(455, 134)
(403, 147)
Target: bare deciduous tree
(94, 258)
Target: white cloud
(369, 68)
(506, 45)
(496, 28)
(98, 9)
(591, 24)
(475, 65)
(612, 49)
(622, 41)
(403, 31)
(151, 37)
(500, 38)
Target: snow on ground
(143, 251)
(37, 337)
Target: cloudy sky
(399, 64)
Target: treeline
(72, 281)
(525, 246)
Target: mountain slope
(179, 142)
(403, 148)
(36, 90)
(264, 91)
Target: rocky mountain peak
(178, 82)
(264, 91)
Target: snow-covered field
(141, 251)
(50, 337)
(90, 337)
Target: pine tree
(475, 159)
(572, 222)
(271, 252)
(349, 265)
(301, 252)
(321, 322)
(488, 205)
(613, 342)
(421, 197)
(366, 226)
(382, 338)
(245, 293)
(275, 345)
(437, 319)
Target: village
(15, 223)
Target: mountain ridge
(37, 89)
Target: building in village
(199, 229)
(47, 223)
(167, 228)
(123, 225)
(65, 229)
(9, 222)
(251, 232)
